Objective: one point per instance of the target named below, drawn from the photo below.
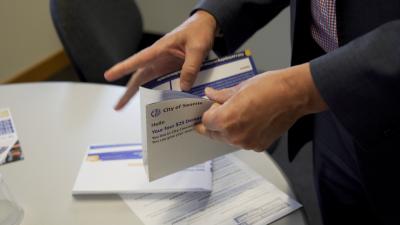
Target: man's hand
(185, 47)
(253, 114)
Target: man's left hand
(253, 114)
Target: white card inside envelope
(170, 142)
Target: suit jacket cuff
(360, 82)
(239, 20)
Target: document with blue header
(118, 168)
(170, 143)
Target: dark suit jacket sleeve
(239, 19)
(361, 84)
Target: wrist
(300, 84)
(207, 18)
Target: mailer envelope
(169, 116)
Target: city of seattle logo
(155, 112)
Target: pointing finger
(193, 60)
(131, 64)
(140, 77)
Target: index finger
(193, 59)
(131, 64)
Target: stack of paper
(118, 168)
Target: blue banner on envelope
(122, 155)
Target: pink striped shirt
(323, 26)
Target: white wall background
(27, 35)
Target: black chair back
(96, 34)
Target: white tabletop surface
(55, 123)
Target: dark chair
(96, 34)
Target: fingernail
(106, 75)
(198, 128)
(118, 106)
(208, 90)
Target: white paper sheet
(118, 168)
(239, 196)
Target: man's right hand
(183, 48)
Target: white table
(55, 123)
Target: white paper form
(118, 168)
(239, 196)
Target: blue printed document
(118, 168)
(170, 143)
(10, 148)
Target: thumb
(193, 59)
(220, 96)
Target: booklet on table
(118, 168)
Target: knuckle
(261, 146)
(222, 122)
(258, 149)
(164, 41)
(207, 118)
(231, 126)
(248, 143)
(225, 122)
(236, 142)
(244, 141)
(190, 70)
(124, 67)
(236, 139)
(197, 46)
